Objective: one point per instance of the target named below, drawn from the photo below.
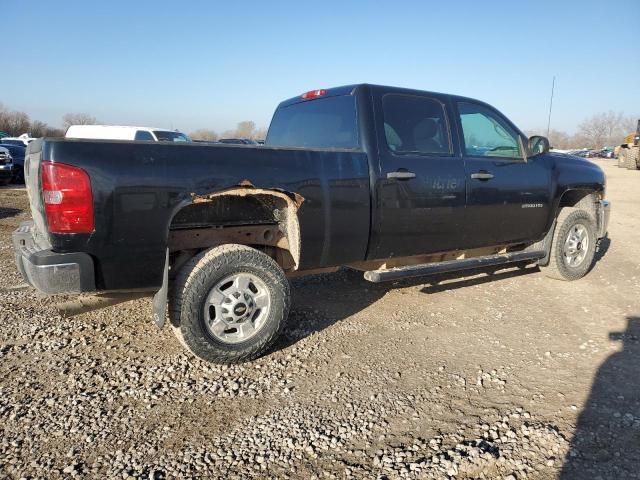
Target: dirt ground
(506, 375)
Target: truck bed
(138, 188)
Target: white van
(121, 132)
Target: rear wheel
(573, 246)
(229, 304)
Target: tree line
(597, 131)
(15, 123)
(245, 129)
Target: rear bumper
(604, 211)
(48, 271)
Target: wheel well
(583, 199)
(260, 218)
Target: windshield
(325, 123)
(167, 136)
(16, 150)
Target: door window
(415, 125)
(486, 133)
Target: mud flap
(545, 245)
(160, 298)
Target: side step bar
(377, 276)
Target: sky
(208, 64)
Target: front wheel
(574, 245)
(229, 304)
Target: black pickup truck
(394, 182)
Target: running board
(377, 276)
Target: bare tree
(629, 124)
(260, 133)
(54, 132)
(245, 129)
(38, 129)
(606, 128)
(14, 123)
(69, 119)
(595, 130)
(204, 134)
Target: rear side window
(416, 125)
(142, 135)
(324, 123)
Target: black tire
(5, 181)
(632, 158)
(621, 158)
(559, 266)
(195, 282)
(18, 178)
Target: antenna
(553, 84)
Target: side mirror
(537, 145)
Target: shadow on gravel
(607, 438)
(9, 212)
(602, 248)
(319, 301)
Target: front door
(420, 188)
(508, 197)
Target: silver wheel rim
(576, 245)
(237, 308)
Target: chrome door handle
(482, 176)
(401, 175)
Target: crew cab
(394, 182)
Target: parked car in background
(238, 141)
(6, 166)
(15, 141)
(123, 132)
(17, 152)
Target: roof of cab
(350, 89)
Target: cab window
(329, 122)
(486, 133)
(144, 136)
(415, 125)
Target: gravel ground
(508, 375)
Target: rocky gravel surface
(505, 375)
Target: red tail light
(68, 201)
(313, 94)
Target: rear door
(508, 198)
(420, 186)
